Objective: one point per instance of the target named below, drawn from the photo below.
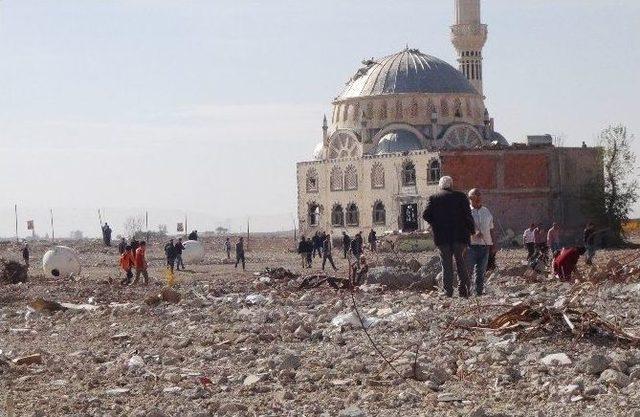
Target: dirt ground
(239, 343)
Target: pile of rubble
(12, 272)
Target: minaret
(325, 129)
(468, 36)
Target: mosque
(406, 119)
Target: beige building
(404, 120)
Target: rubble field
(268, 342)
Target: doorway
(409, 217)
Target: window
(457, 108)
(353, 218)
(399, 111)
(377, 176)
(444, 107)
(314, 214)
(356, 112)
(433, 176)
(430, 108)
(370, 110)
(337, 216)
(379, 214)
(335, 181)
(350, 178)
(312, 181)
(414, 109)
(408, 174)
(383, 110)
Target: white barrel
(61, 262)
(193, 251)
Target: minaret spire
(468, 35)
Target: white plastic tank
(61, 262)
(193, 251)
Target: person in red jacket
(141, 263)
(127, 262)
(565, 263)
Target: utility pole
(53, 230)
(16, 211)
(247, 234)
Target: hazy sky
(205, 106)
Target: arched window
(431, 108)
(457, 108)
(433, 176)
(413, 110)
(370, 114)
(312, 181)
(379, 214)
(444, 107)
(353, 218)
(399, 111)
(337, 216)
(335, 182)
(356, 112)
(314, 214)
(383, 110)
(408, 173)
(345, 114)
(350, 178)
(377, 175)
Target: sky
(202, 108)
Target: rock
(289, 361)
(172, 390)
(351, 411)
(479, 412)
(135, 362)
(253, 299)
(40, 304)
(36, 358)
(595, 364)
(117, 391)
(616, 378)
(172, 377)
(556, 359)
(155, 413)
(301, 333)
(253, 379)
(120, 336)
(398, 278)
(414, 265)
(351, 319)
(448, 397)
(170, 296)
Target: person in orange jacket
(127, 262)
(141, 263)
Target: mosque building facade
(405, 120)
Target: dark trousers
(345, 251)
(309, 259)
(531, 249)
(478, 257)
(329, 257)
(318, 250)
(127, 279)
(240, 258)
(179, 262)
(447, 253)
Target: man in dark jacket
(122, 246)
(449, 214)
(193, 235)
(170, 253)
(240, 253)
(346, 244)
(179, 248)
(356, 245)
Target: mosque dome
(408, 71)
(398, 141)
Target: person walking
(346, 244)
(25, 255)
(302, 251)
(316, 245)
(553, 238)
(356, 245)
(227, 247)
(449, 214)
(373, 240)
(141, 264)
(528, 238)
(482, 240)
(589, 238)
(240, 253)
(327, 248)
(170, 254)
(122, 246)
(179, 249)
(127, 262)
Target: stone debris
(35, 358)
(256, 343)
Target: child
(126, 263)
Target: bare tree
(611, 202)
(133, 225)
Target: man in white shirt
(482, 241)
(529, 240)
